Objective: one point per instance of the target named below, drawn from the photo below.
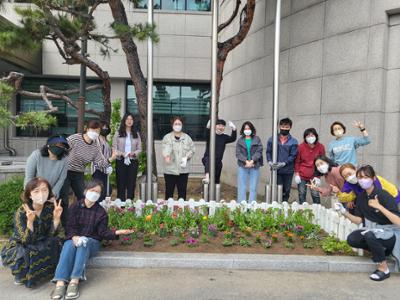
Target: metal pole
(214, 50)
(276, 100)
(82, 88)
(149, 104)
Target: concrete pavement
(186, 284)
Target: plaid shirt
(90, 222)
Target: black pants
(379, 248)
(286, 181)
(126, 179)
(76, 181)
(103, 178)
(218, 168)
(180, 181)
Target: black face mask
(58, 151)
(284, 132)
(105, 131)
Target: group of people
(53, 236)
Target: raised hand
(358, 124)
(124, 231)
(374, 203)
(335, 189)
(30, 214)
(57, 212)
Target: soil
(215, 246)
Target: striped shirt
(83, 153)
(106, 150)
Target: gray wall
(340, 60)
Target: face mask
(40, 198)
(323, 169)
(58, 151)
(365, 183)
(339, 133)
(247, 132)
(92, 196)
(219, 132)
(105, 131)
(284, 132)
(352, 179)
(93, 135)
(311, 139)
(177, 128)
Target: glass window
(143, 4)
(66, 115)
(199, 5)
(190, 101)
(196, 5)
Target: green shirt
(248, 146)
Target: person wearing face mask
(325, 167)
(34, 246)
(376, 209)
(351, 189)
(221, 140)
(87, 226)
(127, 145)
(304, 164)
(50, 163)
(85, 149)
(249, 154)
(343, 148)
(100, 173)
(177, 150)
(287, 152)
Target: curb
(275, 262)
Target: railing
(328, 219)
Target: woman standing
(343, 148)
(99, 172)
(127, 146)
(87, 227)
(375, 208)
(49, 163)
(85, 149)
(33, 249)
(177, 150)
(249, 159)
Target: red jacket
(304, 164)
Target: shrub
(10, 200)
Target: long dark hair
(122, 126)
(326, 159)
(253, 129)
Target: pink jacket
(334, 178)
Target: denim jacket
(256, 152)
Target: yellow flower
(148, 218)
(205, 218)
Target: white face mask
(247, 132)
(92, 196)
(323, 169)
(219, 132)
(352, 179)
(93, 135)
(177, 128)
(311, 139)
(40, 198)
(339, 133)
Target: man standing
(287, 152)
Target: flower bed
(224, 229)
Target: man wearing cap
(221, 139)
(50, 163)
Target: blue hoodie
(286, 153)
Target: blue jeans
(73, 260)
(286, 181)
(243, 176)
(302, 188)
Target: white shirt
(128, 143)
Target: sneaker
(72, 291)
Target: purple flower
(191, 241)
(299, 228)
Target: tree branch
(233, 16)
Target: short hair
(33, 184)
(253, 129)
(93, 183)
(347, 166)
(326, 159)
(221, 122)
(367, 170)
(340, 124)
(93, 124)
(308, 131)
(285, 121)
(173, 119)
